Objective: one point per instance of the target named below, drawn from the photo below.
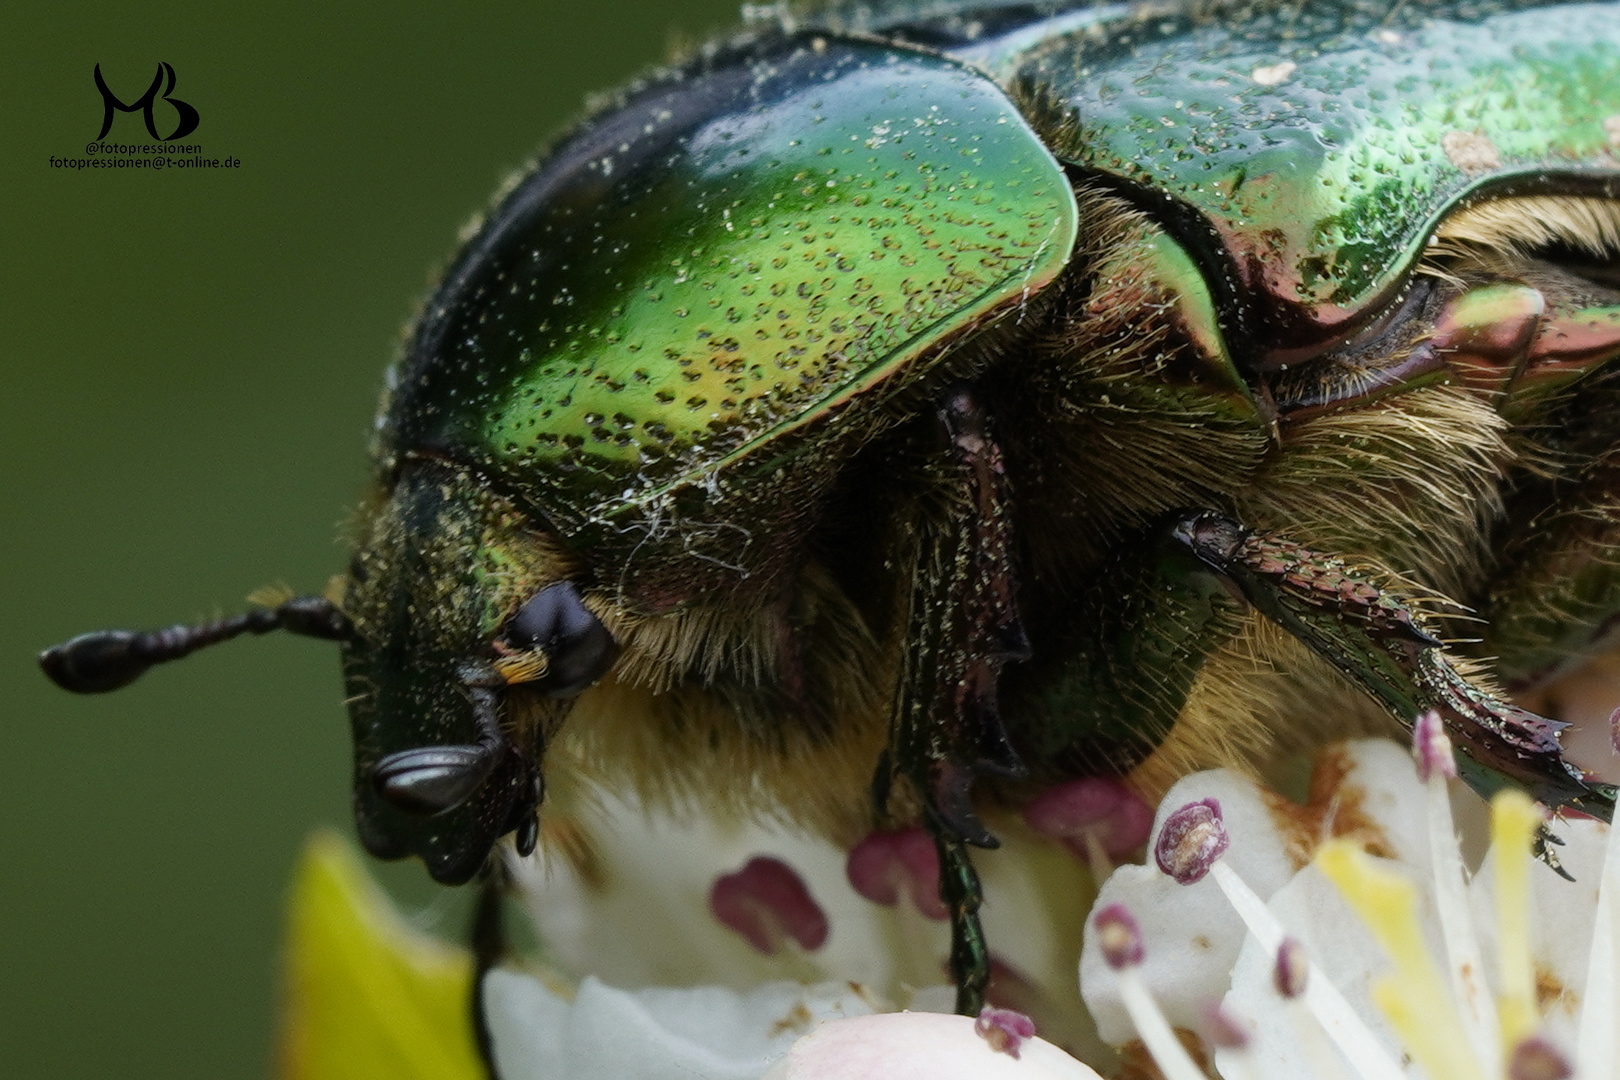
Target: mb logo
(143, 104)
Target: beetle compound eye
(578, 648)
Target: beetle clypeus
(888, 413)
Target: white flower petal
(649, 923)
(919, 1046)
(1381, 787)
(702, 1033)
(1337, 941)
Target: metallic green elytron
(889, 413)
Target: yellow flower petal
(365, 997)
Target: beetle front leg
(962, 627)
(959, 890)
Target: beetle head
(464, 643)
(469, 642)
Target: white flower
(920, 1046)
(783, 930)
(654, 1034)
(777, 931)
(1340, 939)
(1490, 975)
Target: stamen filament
(1514, 820)
(1168, 1053)
(1464, 963)
(1096, 858)
(1354, 1039)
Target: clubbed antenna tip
(107, 660)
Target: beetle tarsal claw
(951, 806)
(432, 779)
(1542, 848)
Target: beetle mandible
(878, 416)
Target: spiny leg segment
(1376, 639)
(963, 627)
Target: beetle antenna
(112, 659)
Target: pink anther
(888, 866)
(1004, 1029)
(1191, 841)
(766, 902)
(1119, 936)
(1431, 746)
(1098, 806)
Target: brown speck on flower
(1551, 993)
(797, 1019)
(1470, 151)
(1334, 807)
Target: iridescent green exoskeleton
(889, 413)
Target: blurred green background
(190, 364)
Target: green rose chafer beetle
(887, 414)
